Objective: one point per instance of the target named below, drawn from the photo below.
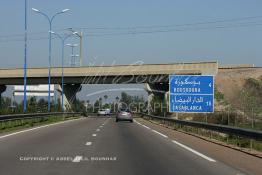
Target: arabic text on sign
(185, 82)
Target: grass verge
(13, 125)
(249, 146)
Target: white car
(103, 112)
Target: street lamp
(25, 58)
(72, 51)
(81, 44)
(62, 38)
(73, 60)
(50, 20)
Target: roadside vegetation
(33, 106)
(12, 125)
(246, 114)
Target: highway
(100, 146)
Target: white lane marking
(146, 127)
(98, 130)
(39, 127)
(88, 143)
(184, 146)
(94, 135)
(101, 126)
(137, 122)
(194, 151)
(159, 133)
(78, 159)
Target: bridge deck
(15, 76)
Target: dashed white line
(194, 151)
(98, 130)
(101, 126)
(39, 127)
(159, 133)
(88, 143)
(78, 159)
(94, 135)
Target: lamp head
(65, 10)
(35, 10)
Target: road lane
(63, 140)
(123, 148)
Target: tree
(117, 99)
(100, 99)
(126, 99)
(105, 97)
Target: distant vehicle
(103, 112)
(124, 114)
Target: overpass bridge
(155, 76)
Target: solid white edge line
(159, 133)
(137, 122)
(194, 151)
(77, 159)
(180, 144)
(146, 127)
(35, 128)
(88, 143)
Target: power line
(173, 25)
(151, 29)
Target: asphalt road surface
(100, 146)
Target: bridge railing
(247, 133)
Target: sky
(127, 31)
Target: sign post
(191, 93)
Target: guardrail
(10, 117)
(248, 133)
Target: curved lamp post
(25, 58)
(63, 38)
(50, 20)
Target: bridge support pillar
(70, 91)
(157, 97)
(2, 89)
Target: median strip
(39, 127)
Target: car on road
(124, 114)
(103, 112)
